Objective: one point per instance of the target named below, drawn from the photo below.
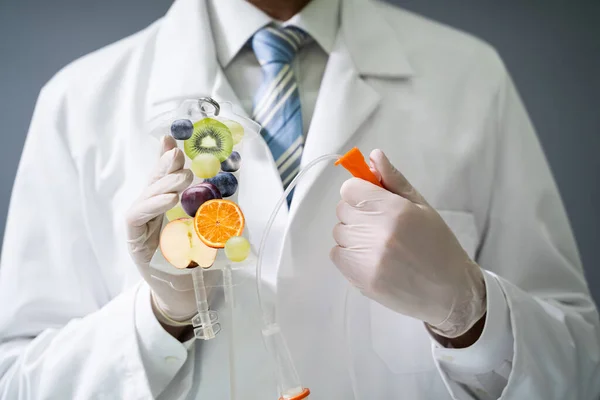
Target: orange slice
(218, 220)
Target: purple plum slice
(194, 196)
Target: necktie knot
(277, 45)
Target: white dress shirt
(482, 369)
(320, 19)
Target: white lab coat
(442, 106)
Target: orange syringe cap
(299, 396)
(355, 163)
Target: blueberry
(225, 182)
(232, 163)
(182, 129)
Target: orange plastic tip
(355, 163)
(300, 396)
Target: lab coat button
(171, 360)
(447, 358)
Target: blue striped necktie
(277, 103)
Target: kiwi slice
(209, 137)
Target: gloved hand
(144, 223)
(397, 250)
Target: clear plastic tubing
(202, 304)
(288, 380)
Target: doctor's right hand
(144, 223)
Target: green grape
(236, 129)
(176, 213)
(205, 166)
(237, 248)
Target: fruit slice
(210, 137)
(218, 220)
(193, 197)
(176, 212)
(206, 165)
(182, 248)
(236, 129)
(237, 248)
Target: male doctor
(460, 278)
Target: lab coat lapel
(223, 92)
(184, 63)
(365, 47)
(345, 101)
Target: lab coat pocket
(401, 342)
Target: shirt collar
(233, 23)
(321, 20)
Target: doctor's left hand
(397, 250)
(144, 222)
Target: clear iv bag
(221, 283)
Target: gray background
(551, 47)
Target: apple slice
(182, 247)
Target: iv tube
(268, 319)
(288, 381)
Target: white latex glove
(397, 250)
(144, 223)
